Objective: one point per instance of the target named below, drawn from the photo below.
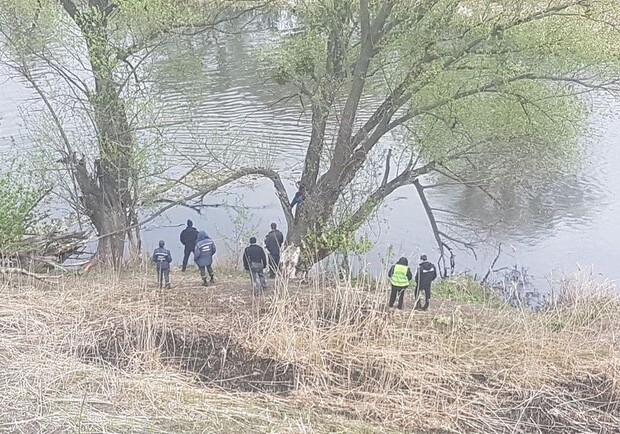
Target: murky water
(219, 103)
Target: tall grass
(109, 353)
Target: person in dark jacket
(189, 236)
(299, 197)
(424, 276)
(255, 261)
(400, 277)
(162, 259)
(273, 242)
(203, 256)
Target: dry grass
(114, 355)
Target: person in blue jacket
(203, 256)
(162, 259)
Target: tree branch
(231, 177)
(408, 176)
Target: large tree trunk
(111, 227)
(107, 197)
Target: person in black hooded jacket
(423, 278)
(254, 262)
(189, 235)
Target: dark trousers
(400, 292)
(163, 276)
(427, 297)
(204, 270)
(189, 250)
(274, 264)
(258, 278)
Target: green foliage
(495, 86)
(338, 239)
(18, 215)
(466, 290)
(26, 23)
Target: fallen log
(20, 271)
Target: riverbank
(114, 354)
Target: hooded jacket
(425, 275)
(254, 254)
(401, 261)
(189, 235)
(204, 251)
(274, 241)
(162, 258)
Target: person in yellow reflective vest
(400, 277)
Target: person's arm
(197, 253)
(280, 238)
(182, 237)
(169, 257)
(155, 257)
(246, 265)
(417, 277)
(213, 249)
(409, 274)
(391, 272)
(434, 275)
(263, 258)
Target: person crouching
(162, 259)
(255, 261)
(400, 277)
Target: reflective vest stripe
(399, 276)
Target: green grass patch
(467, 290)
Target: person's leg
(393, 296)
(203, 275)
(401, 298)
(159, 276)
(418, 305)
(276, 260)
(186, 254)
(167, 277)
(272, 266)
(253, 280)
(211, 273)
(427, 296)
(261, 277)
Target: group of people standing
(401, 277)
(255, 261)
(199, 244)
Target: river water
(220, 103)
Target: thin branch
(386, 174)
(499, 252)
(40, 277)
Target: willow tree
(93, 54)
(479, 91)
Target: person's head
(423, 258)
(202, 235)
(161, 243)
(274, 226)
(253, 240)
(190, 224)
(403, 261)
